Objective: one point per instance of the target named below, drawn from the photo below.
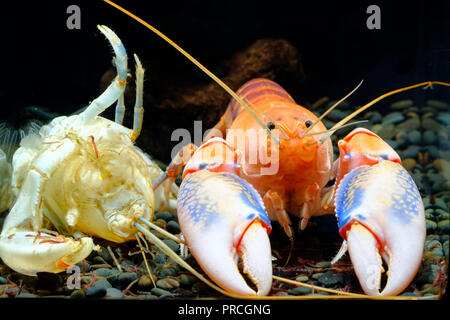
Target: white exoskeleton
(81, 173)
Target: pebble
(402, 104)
(437, 104)
(444, 226)
(441, 165)
(95, 292)
(102, 283)
(113, 293)
(412, 151)
(316, 276)
(160, 292)
(168, 283)
(99, 260)
(157, 234)
(168, 272)
(429, 216)
(428, 274)
(431, 124)
(435, 247)
(393, 118)
(415, 137)
(445, 248)
(323, 264)
(87, 266)
(167, 216)
(160, 259)
(337, 115)
(78, 294)
(427, 109)
(386, 132)
(444, 144)
(104, 253)
(409, 294)
(146, 281)
(329, 278)
(374, 117)
(444, 118)
(429, 137)
(342, 105)
(431, 226)
(24, 294)
(186, 280)
(160, 223)
(112, 275)
(125, 279)
(175, 246)
(438, 185)
(431, 237)
(440, 203)
(104, 272)
(431, 243)
(412, 123)
(429, 288)
(302, 278)
(409, 163)
(299, 291)
(127, 264)
(433, 151)
(173, 227)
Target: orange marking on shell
(62, 264)
(46, 239)
(95, 146)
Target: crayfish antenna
(149, 271)
(335, 129)
(366, 106)
(198, 64)
(331, 108)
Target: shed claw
(29, 252)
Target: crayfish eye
(270, 125)
(308, 123)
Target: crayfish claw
(221, 229)
(381, 215)
(30, 252)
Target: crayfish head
(293, 122)
(100, 191)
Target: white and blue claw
(381, 216)
(223, 218)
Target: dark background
(45, 64)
